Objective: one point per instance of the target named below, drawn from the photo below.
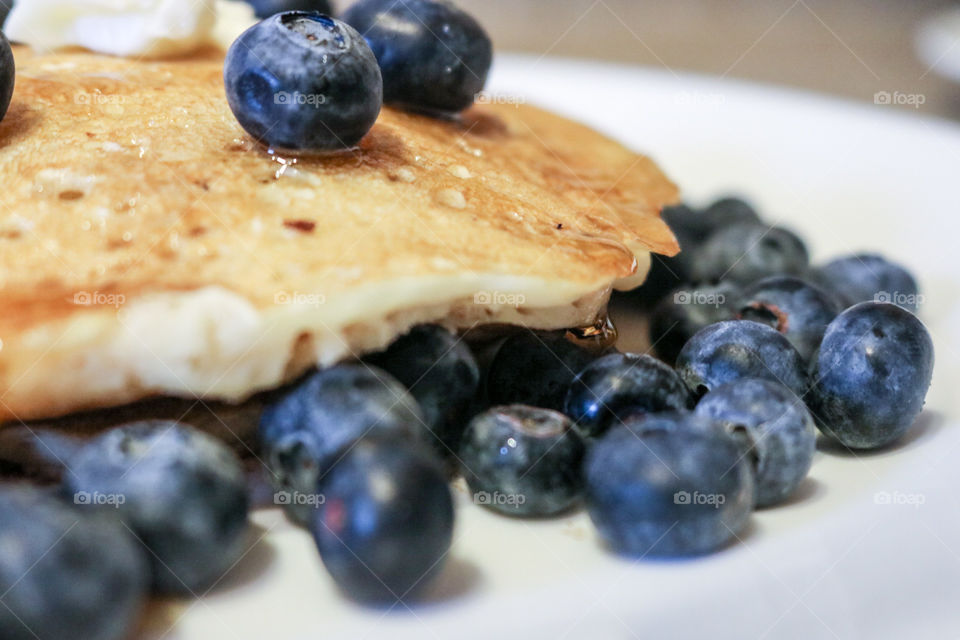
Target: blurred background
(851, 48)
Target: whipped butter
(137, 28)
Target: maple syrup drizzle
(600, 335)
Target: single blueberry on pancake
(434, 56)
(267, 8)
(304, 82)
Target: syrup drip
(600, 335)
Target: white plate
(834, 562)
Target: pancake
(149, 248)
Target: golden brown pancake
(148, 247)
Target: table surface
(853, 48)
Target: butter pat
(233, 18)
(137, 28)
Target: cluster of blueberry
(303, 81)
(147, 507)
(669, 461)
(841, 335)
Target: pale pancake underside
(150, 248)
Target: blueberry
(440, 371)
(679, 315)
(692, 227)
(727, 212)
(303, 81)
(267, 8)
(670, 484)
(776, 428)
(302, 433)
(746, 252)
(797, 309)
(181, 492)
(872, 375)
(729, 351)
(386, 522)
(434, 57)
(620, 384)
(7, 73)
(66, 574)
(522, 460)
(868, 277)
(535, 369)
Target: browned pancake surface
(125, 180)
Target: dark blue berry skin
(184, 497)
(536, 370)
(302, 434)
(434, 57)
(530, 457)
(668, 485)
(439, 370)
(872, 375)
(686, 310)
(303, 81)
(386, 523)
(620, 384)
(727, 212)
(775, 427)
(66, 574)
(746, 252)
(729, 351)
(267, 8)
(799, 310)
(868, 277)
(7, 73)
